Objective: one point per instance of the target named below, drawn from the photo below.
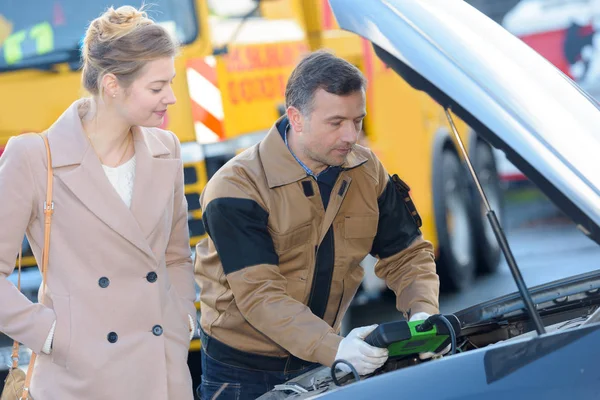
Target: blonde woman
(116, 319)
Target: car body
(548, 127)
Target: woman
(116, 319)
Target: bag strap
(15, 352)
(48, 210)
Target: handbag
(16, 385)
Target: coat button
(157, 330)
(112, 337)
(103, 282)
(152, 277)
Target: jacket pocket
(358, 231)
(61, 342)
(181, 325)
(360, 226)
(293, 249)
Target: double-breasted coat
(120, 282)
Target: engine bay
(558, 314)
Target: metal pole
(501, 237)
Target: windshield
(35, 33)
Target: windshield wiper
(501, 237)
(48, 62)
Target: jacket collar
(280, 166)
(69, 143)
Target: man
(289, 220)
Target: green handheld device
(403, 338)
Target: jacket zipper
(314, 279)
(337, 313)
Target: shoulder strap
(15, 350)
(48, 210)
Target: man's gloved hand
(422, 316)
(363, 357)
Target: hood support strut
(501, 237)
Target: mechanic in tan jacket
(288, 222)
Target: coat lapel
(89, 184)
(155, 180)
(77, 166)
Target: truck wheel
(487, 252)
(456, 261)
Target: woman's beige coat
(101, 255)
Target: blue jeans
(229, 382)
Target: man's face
(326, 136)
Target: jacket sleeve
(406, 260)
(20, 319)
(237, 226)
(178, 255)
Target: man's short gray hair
(321, 70)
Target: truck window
(51, 31)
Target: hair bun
(120, 42)
(116, 23)
(125, 15)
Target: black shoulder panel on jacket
(399, 221)
(238, 228)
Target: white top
(122, 178)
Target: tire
(487, 254)
(456, 255)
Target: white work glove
(363, 357)
(422, 316)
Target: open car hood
(513, 97)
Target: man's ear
(295, 117)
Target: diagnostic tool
(403, 338)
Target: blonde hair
(121, 41)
